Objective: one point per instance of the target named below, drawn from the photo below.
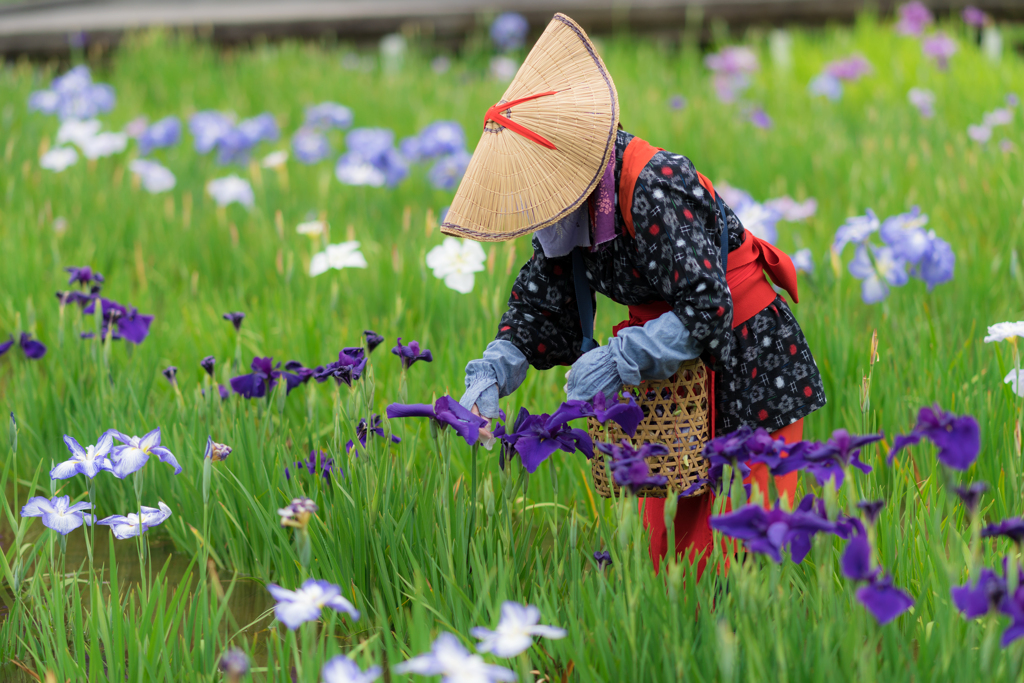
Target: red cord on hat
(494, 114)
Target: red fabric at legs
(692, 523)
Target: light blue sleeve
(653, 351)
(500, 372)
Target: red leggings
(692, 526)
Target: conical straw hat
(543, 154)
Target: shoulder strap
(637, 155)
(583, 303)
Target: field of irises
(235, 445)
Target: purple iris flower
(234, 147)
(263, 378)
(235, 318)
(1011, 528)
(940, 47)
(627, 414)
(131, 325)
(1014, 607)
(296, 374)
(973, 16)
(914, 17)
(738, 449)
(372, 143)
(447, 172)
(348, 368)
(58, 513)
(856, 561)
(34, 350)
(373, 340)
(855, 230)
(316, 464)
(769, 531)
(73, 95)
(536, 437)
(826, 85)
(411, 353)
(677, 103)
(958, 438)
(938, 263)
(445, 411)
(830, 459)
(989, 593)
(760, 118)
(310, 145)
(73, 296)
(164, 133)
(846, 527)
(971, 495)
(171, 373)
(208, 364)
(884, 600)
(871, 509)
(508, 31)
(878, 268)
(329, 115)
(83, 276)
(261, 128)
(441, 138)
(134, 327)
(850, 69)
(603, 558)
(208, 127)
(363, 430)
(234, 663)
(629, 465)
(906, 234)
(409, 147)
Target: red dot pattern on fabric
(541, 348)
(745, 332)
(558, 270)
(675, 275)
(720, 312)
(707, 263)
(655, 230)
(506, 328)
(688, 214)
(763, 415)
(635, 273)
(753, 374)
(808, 391)
(792, 349)
(666, 170)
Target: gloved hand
(653, 351)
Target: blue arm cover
(653, 351)
(497, 374)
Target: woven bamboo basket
(676, 414)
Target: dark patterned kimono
(765, 373)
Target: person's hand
(487, 438)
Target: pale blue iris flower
(58, 513)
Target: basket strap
(583, 303)
(495, 114)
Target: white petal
(62, 524)
(129, 460)
(36, 506)
(543, 631)
(66, 470)
(319, 264)
(150, 440)
(294, 614)
(460, 282)
(74, 446)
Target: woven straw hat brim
(514, 185)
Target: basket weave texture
(676, 414)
